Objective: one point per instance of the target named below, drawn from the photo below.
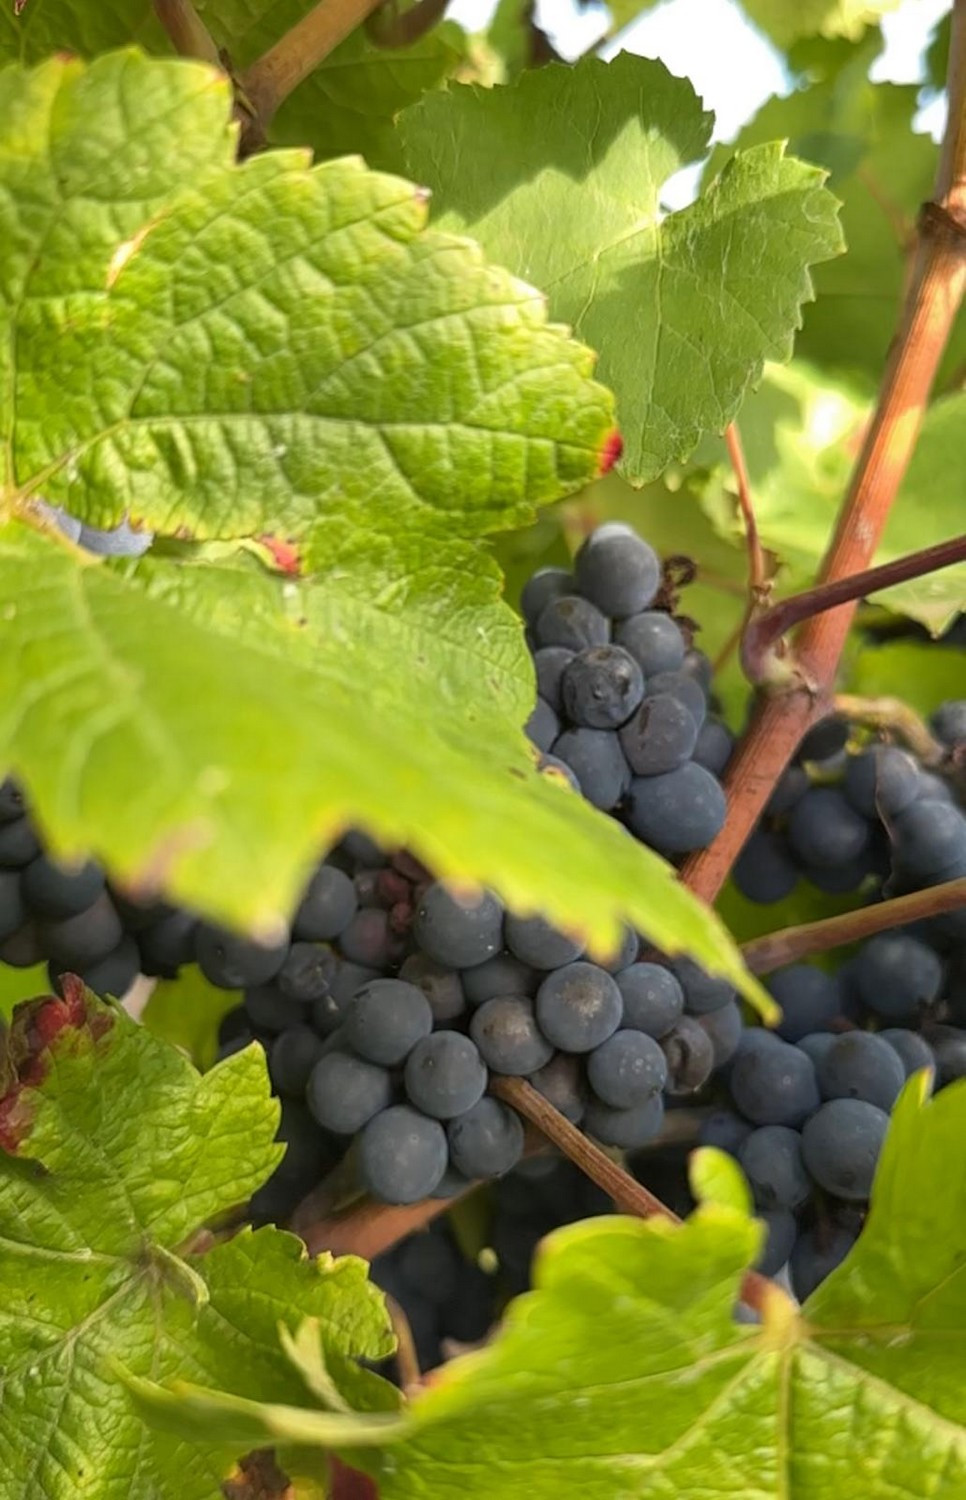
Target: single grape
(617, 570)
(913, 1050)
(810, 1000)
(370, 940)
(929, 841)
(601, 687)
(837, 880)
(789, 789)
(445, 1074)
(385, 1020)
(308, 1151)
(682, 686)
(12, 910)
(626, 1128)
(550, 663)
(714, 746)
(74, 943)
(543, 725)
(689, 1053)
(781, 1232)
(841, 1144)
(897, 976)
(344, 1091)
(881, 782)
(24, 948)
(50, 890)
(816, 1254)
(347, 979)
(486, 1141)
(167, 945)
(572, 622)
(677, 812)
(292, 1057)
(578, 1007)
(327, 906)
(542, 586)
(773, 1082)
(269, 1011)
(660, 736)
(115, 972)
(703, 992)
(825, 830)
(362, 851)
(861, 1066)
(234, 963)
(539, 945)
(402, 1155)
(824, 740)
(764, 871)
(948, 1045)
(626, 1069)
(19, 844)
(771, 1159)
(654, 641)
(725, 1130)
(442, 986)
(561, 1082)
(503, 974)
(698, 664)
(455, 933)
(597, 760)
(506, 1032)
(949, 722)
(724, 1029)
(306, 972)
(653, 998)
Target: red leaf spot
(611, 451)
(284, 554)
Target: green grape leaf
(345, 105)
(186, 1012)
(624, 1372)
(115, 1154)
(881, 170)
(787, 20)
(801, 432)
(558, 175)
(259, 348)
(385, 691)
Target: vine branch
(758, 586)
(933, 297)
(188, 32)
(763, 632)
(765, 954)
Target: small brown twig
(188, 32)
(627, 1194)
(758, 585)
(765, 954)
(893, 715)
(390, 27)
(407, 1359)
(766, 629)
(279, 71)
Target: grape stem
(407, 1360)
(764, 631)
(892, 714)
(188, 32)
(789, 944)
(801, 687)
(279, 71)
(627, 1194)
(758, 586)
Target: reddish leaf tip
(284, 554)
(611, 451)
(35, 1027)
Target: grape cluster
(622, 707)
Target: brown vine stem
(270, 80)
(801, 695)
(765, 630)
(765, 954)
(390, 27)
(895, 716)
(627, 1194)
(188, 32)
